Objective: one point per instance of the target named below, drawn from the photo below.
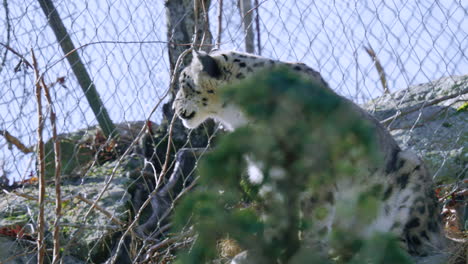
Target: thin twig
(23, 195)
(168, 241)
(78, 196)
(429, 118)
(114, 170)
(41, 160)
(164, 191)
(196, 19)
(422, 106)
(8, 33)
(159, 216)
(129, 149)
(108, 227)
(79, 70)
(165, 166)
(16, 142)
(168, 150)
(23, 59)
(186, 189)
(257, 5)
(100, 209)
(17, 256)
(116, 42)
(378, 66)
(150, 196)
(245, 6)
(206, 26)
(220, 24)
(33, 198)
(58, 166)
(176, 67)
(140, 134)
(49, 66)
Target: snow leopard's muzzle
(184, 114)
(188, 109)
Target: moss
(321, 213)
(17, 218)
(447, 172)
(463, 108)
(72, 156)
(447, 124)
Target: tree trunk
(183, 17)
(245, 9)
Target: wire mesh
(123, 45)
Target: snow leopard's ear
(205, 63)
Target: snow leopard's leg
(318, 213)
(410, 202)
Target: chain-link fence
(363, 49)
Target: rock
(10, 248)
(13, 252)
(433, 259)
(96, 237)
(88, 161)
(432, 123)
(80, 148)
(241, 258)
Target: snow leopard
(408, 204)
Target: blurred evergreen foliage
(305, 138)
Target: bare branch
(432, 116)
(257, 21)
(100, 209)
(206, 37)
(82, 75)
(23, 59)
(16, 142)
(8, 33)
(421, 106)
(167, 242)
(78, 196)
(58, 166)
(125, 154)
(108, 227)
(26, 196)
(17, 256)
(150, 196)
(168, 150)
(245, 6)
(378, 66)
(139, 136)
(220, 24)
(41, 160)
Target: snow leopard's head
(198, 97)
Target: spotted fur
(408, 206)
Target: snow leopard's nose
(186, 114)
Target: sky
(416, 42)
